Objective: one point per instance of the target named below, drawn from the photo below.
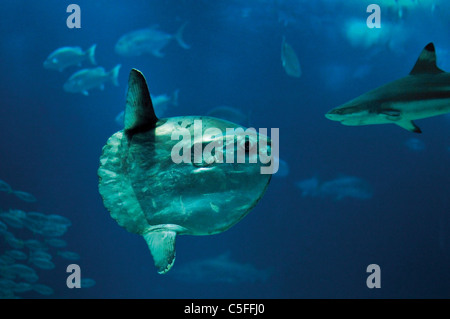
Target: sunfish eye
(247, 145)
(204, 161)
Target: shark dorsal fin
(426, 63)
(139, 113)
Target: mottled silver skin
(202, 199)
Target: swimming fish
(163, 101)
(4, 187)
(86, 79)
(46, 225)
(424, 93)
(12, 219)
(64, 57)
(70, 255)
(289, 60)
(338, 188)
(87, 282)
(3, 227)
(43, 289)
(220, 269)
(26, 197)
(414, 144)
(148, 194)
(42, 263)
(148, 41)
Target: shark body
(424, 93)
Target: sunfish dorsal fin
(426, 63)
(139, 113)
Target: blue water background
(51, 141)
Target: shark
(150, 194)
(423, 93)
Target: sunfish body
(64, 57)
(424, 93)
(148, 41)
(148, 194)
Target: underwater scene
(183, 149)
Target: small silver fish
(161, 102)
(70, 255)
(87, 283)
(148, 41)
(289, 60)
(4, 187)
(68, 56)
(26, 197)
(42, 263)
(86, 79)
(56, 242)
(43, 289)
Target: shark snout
(333, 115)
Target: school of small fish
(29, 244)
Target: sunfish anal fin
(162, 246)
(139, 113)
(409, 125)
(426, 63)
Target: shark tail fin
(114, 74)
(426, 63)
(139, 112)
(179, 37)
(162, 246)
(91, 54)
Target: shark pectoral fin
(409, 125)
(162, 247)
(426, 63)
(139, 113)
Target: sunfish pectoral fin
(409, 125)
(162, 246)
(139, 113)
